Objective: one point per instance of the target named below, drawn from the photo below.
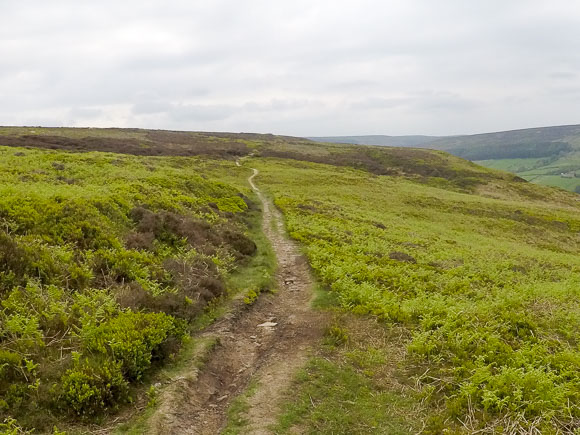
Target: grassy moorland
(455, 288)
(105, 262)
(478, 290)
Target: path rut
(270, 354)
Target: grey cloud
(292, 67)
(354, 85)
(562, 92)
(208, 112)
(423, 100)
(381, 103)
(278, 105)
(151, 106)
(446, 101)
(200, 112)
(85, 112)
(564, 75)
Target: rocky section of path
(268, 342)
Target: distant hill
(382, 140)
(545, 155)
(530, 142)
(480, 146)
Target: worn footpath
(266, 343)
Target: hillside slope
(453, 288)
(549, 155)
(474, 296)
(540, 155)
(106, 262)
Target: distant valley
(545, 155)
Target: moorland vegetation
(106, 260)
(481, 284)
(455, 287)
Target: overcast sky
(291, 67)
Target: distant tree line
(513, 151)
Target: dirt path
(266, 342)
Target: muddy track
(266, 342)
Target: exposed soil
(269, 354)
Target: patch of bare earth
(268, 342)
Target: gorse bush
(104, 259)
(487, 288)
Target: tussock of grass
(192, 356)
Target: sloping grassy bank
(486, 289)
(105, 261)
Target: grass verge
(237, 421)
(258, 275)
(354, 385)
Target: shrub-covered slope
(105, 259)
(139, 141)
(486, 285)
